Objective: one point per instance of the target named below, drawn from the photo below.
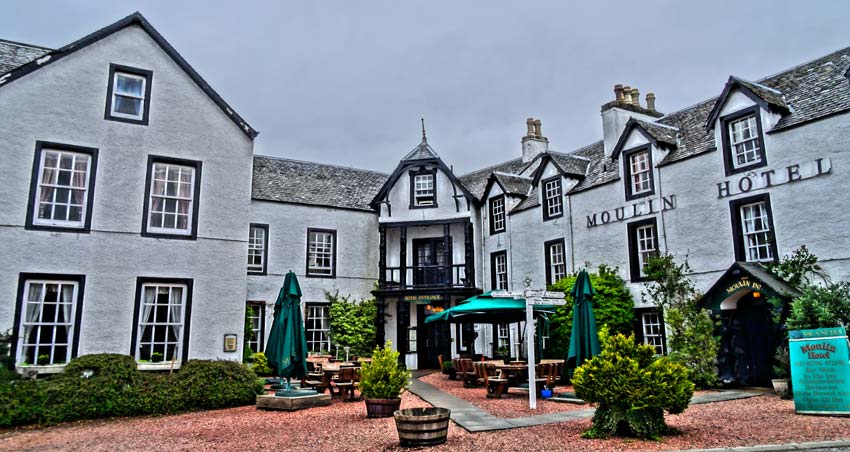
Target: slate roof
(14, 54)
(769, 95)
(694, 138)
(476, 181)
(571, 163)
(529, 202)
(512, 183)
(316, 184)
(422, 152)
(661, 133)
(601, 170)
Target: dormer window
(128, 97)
(743, 141)
(497, 214)
(553, 206)
(423, 188)
(638, 169)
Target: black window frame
(727, 146)
(738, 230)
(547, 246)
(638, 326)
(545, 199)
(147, 74)
(627, 172)
(187, 313)
(493, 256)
(262, 316)
(492, 216)
(196, 197)
(422, 172)
(36, 174)
(23, 277)
(307, 255)
(265, 227)
(635, 270)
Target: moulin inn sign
(749, 182)
(820, 371)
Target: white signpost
(532, 297)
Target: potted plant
(156, 357)
(450, 370)
(782, 372)
(382, 381)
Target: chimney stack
(650, 101)
(635, 97)
(533, 143)
(616, 113)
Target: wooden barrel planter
(422, 426)
(381, 407)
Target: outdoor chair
(345, 383)
(496, 385)
(541, 372)
(467, 373)
(319, 383)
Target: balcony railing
(426, 276)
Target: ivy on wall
(352, 323)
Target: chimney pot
(635, 97)
(650, 101)
(529, 123)
(537, 132)
(618, 92)
(627, 94)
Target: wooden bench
(496, 385)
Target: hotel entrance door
(748, 342)
(432, 339)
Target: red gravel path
(344, 426)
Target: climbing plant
(352, 323)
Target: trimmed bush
(121, 368)
(383, 378)
(217, 384)
(632, 388)
(261, 364)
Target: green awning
(486, 309)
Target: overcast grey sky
(346, 82)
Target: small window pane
(320, 255)
(552, 198)
(171, 205)
(47, 325)
(62, 192)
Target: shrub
(261, 364)
(217, 384)
(121, 368)
(352, 323)
(821, 307)
(383, 378)
(632, 388)
(613, 307)
(248, 335)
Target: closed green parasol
(584, 340)
(287, 346)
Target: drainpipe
(661, 210)
(570, 229)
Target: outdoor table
(513, 372)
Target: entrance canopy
(486, 309)
(743, 278)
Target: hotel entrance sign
(820, 371)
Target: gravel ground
(344, 427)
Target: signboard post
(532, 297)
(820, 371)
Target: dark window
(172, 194)
(649, 329)
(318, 327)
(556, 262)
(432, 262)
(553, 205)
(638, 171)
(61, 188)
(752, 226)
(423, 188)
(499, 270)
(258, 249)
(257, 317)
(497, 214)
(743, 141)
(128, 94)
(321, 253)
(47, 318)
(161, 318)
(643, 244)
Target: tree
(821, 307)
(352, 323)
(692, 342)
(613, 307)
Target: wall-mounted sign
(743, 283)
(634, 210)
(230, 343)
(423, 299)
(761, 178)
(820, 371)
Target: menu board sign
(820, 371)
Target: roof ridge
(490, 167)
(502, 173)
(812, 61)
(653, 123)
(23, 44)
(272, 157)
(570, 154)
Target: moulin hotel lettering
(761, 179)
(635, 210)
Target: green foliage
(632, 388)
(99, 386)
(247, 335)
(7, 361)
(613, 307)
(384, 377)
(799, 269)
(261, 364)
(692, 342)
(821, 307)
(352, 323)
(448, 365)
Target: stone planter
(422, 426)
(381, 407)
(780, 387)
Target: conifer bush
(632, 388)
(384, 377)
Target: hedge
(115, 387)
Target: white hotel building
(133, 203)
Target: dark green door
(748, 343)
(432, 340)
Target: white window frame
(142, 323)
(319, 250)
(645, 240)
(31, 317)
(257, 248)
(653, 330)
(500, 268)
(641, 172)
(503, 336)
(552, 191)
(557, 261)
(756, 241)
(259, 308)
(738, 143)
(115, 94)
(424, 194)
(54, 184)
(497, 207)
(323, 332)
(176, 198)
